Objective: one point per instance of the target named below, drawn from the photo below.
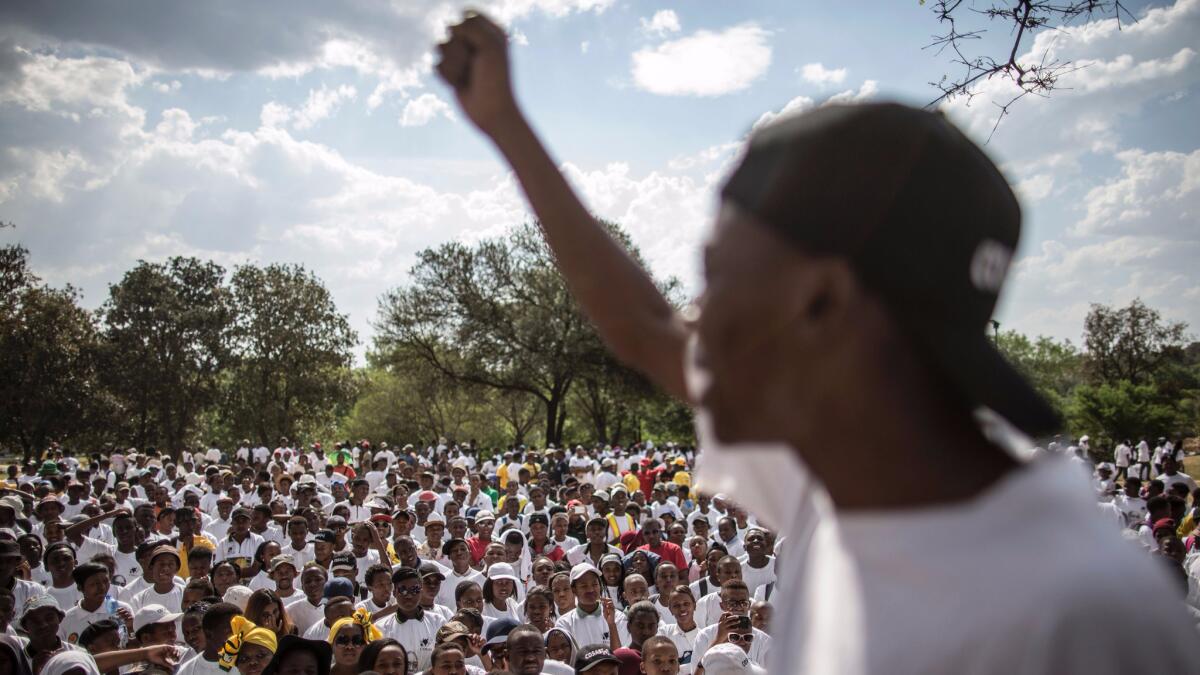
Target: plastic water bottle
(110, 604)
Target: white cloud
(68, 86)
(800, 104)
(423, 109)
(518, 37)
(1156, 193)
(1035, 188)
(818, 74)
(795, 106)
(664, 22)
(705, 63)
(167, 87)
(866, 91)
(583, 47)
(321, 103)
(277, 38)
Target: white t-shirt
(1027, 574)
(445, 594)
(318, 631)
(304, 614)
(198, 665)
(685, 644)
(416, 635)
(67, 596)
(77, 618)
(757, 577)
(592, 628)
(172, 599)
(231, 549)
(1179, 477)
(759, 646)
(1123, 454)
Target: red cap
(381, 518)
(1164, 523)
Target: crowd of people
(369, 557)
(1147, 495)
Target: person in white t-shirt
(215, 625)
(165, 589)
(95, 603)
(758, 568)
(1122, 454)
(733, 626)
(843, 326)
(306, 609)
(1172, 475)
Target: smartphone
(743, 623)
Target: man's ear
(821, 296)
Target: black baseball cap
(591, 656)
(431, 569)
(451, 542)
(325, 536)
(925, 218)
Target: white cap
(238, 595)
(728, 659)
(584, 568)
(152, 614)
(502, 571)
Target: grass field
(1191, 466)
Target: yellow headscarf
(362, 618)
(244, 632)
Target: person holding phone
(734, 626)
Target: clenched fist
(475, 63)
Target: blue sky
(314, 132)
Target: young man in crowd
(306, 609)
(411, 626)
(215, 625)
(595, 619)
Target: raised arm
(630, 314)
(85, 525)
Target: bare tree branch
(965, 26)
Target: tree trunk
(552, 404)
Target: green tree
(291, 353)
(48, 359)
(1128, 343)
(165, 339)
(497, 315)
(1121, 410)
(1054, 368)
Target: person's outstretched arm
(630, 314)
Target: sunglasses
(355, 641)
(741, 637)
(408, 590)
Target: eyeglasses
(357, 641)
(741, 637)
(408, 590)
(737, 604)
